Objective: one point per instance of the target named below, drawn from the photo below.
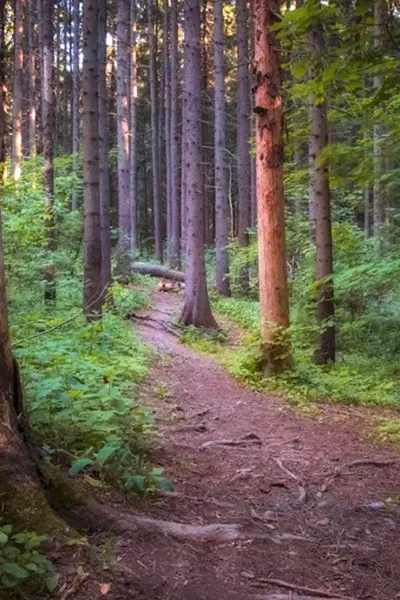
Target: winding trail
(308, 493)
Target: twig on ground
(76, 584)
(292, 586)
(241, 442)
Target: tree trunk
(174, 137)
(93, 289)
(268, 106)
(381, 20)
(183, 179)
(154, 137)
(123, 90)
(104, 175)
(158, 271)
(221, 181)
(133, 146)
(3, 112)
(167, 123)
(196, 310)
(207, 128)
(32, 79)
(46, 30)
(17, 90)
(320, 201)
(75, 96)
(243, 132)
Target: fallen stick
(241, 442)
(292, 586)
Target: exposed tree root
(150, 322)
(285, 597)
(249, 439)
(292, 586)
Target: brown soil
(313, 513)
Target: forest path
(315, 514)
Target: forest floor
(309, 495)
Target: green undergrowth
(23, 565)
(354, 379)
(80, 384)
(80, 379)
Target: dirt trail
(315, 517)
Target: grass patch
(355, 379)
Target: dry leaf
(104, 588)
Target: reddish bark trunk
(268, 106)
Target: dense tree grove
(251, 148)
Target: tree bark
(268, 106)
(18, 90)
(46, 35)
(158, 271)
(221, 181)
(104, 175)
(321, 203)
(75, 95)
(123, 90)
(32, 79)
(379, 202)
(167, 122)
(154, 137)
(208, 159)
(243, 132)
(133, 145)
(174, 137)
(3, 112)
(93, 289)
(196, 310)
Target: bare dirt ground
(308, 496)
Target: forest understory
(300, 507)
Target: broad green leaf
(163, 483)
(3, 538)
(15, 570)
(52, 582)
(79, 465)
(105, 453)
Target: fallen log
(158, 271)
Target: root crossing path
(276, 506)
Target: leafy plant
(21, 561)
